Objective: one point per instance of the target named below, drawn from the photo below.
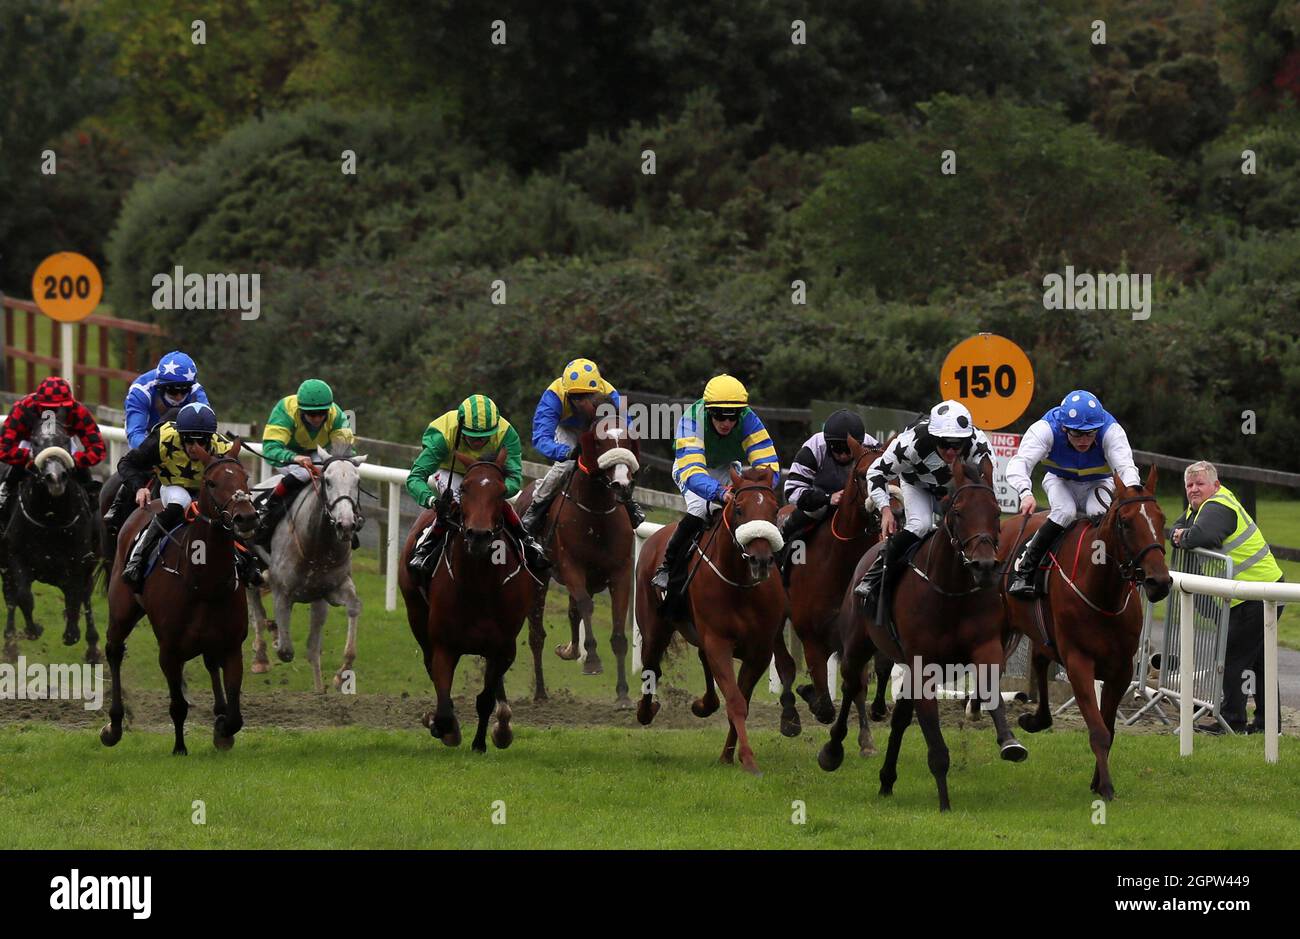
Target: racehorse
(192, 597)
(473, 604)
(736, 606)
(310, 561)
(591, 548)
(53, 537)
(818, 577)
(1090, 621)
(947, 611)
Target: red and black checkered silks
(52, 394)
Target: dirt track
(147, 710)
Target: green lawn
(615, 788)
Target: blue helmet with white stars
(1081, 410)
(177, 368)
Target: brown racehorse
(736, 604)
(193, 599)
(1091, 619)
(591, 548)
(473, 604)
(816, 588)
(948, 611)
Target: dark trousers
(1243, 660)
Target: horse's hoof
(1029, 723)
(451, 738)
(502, 736)
(71, 639)
(477, 746)
(646, 711)
(728, 757)
(1014, 752)
(623, 703)
(808, 693)
(108, 736)
(879, 715)
(751, 767)
(94, 656)
(540, 696)
(220, 742)
(260, 666)
(830, 756)
(825, 714)
(284, 655)
(592, 666)
(790, 727)
(868, 750)
(180, 751)
(701, 707)
(567, 652)
(33, 631)
(427, 720)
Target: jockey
(1081, 445)
(820, 469)
(477, 431)
(172, 384)
(716, 432)
(920, 458)
(297, 426)
(27, 419)
(173, 451)
(566, 409)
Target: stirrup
(662, 578)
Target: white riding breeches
(175, 495)
(920, 508)
(1070, 498)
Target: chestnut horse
(736, 605)
(591, 549)
(1091, 620)
(473, 604)
(193, 599)
(816, 587)
(947, 611)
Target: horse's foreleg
(537, 641)
(173, 668)
(213, 664)
(23, 596)
(884, 668)
(319, 611)
(1041, 719)
(581, 602)
(751, 670)
(444, 724)
(283, 613)
(620, 589)
(486, 700)
(866, 746)
(570, 650)
(988, 695)
(71, 616)
(817, 695)
(852, 662)
(655, 636)
(502, 735)
(352, 604)
(114, 649)
(898, 724)
(720, 655)
(1081, 671)
(927, 715)
(785, 670)
(708, 702)
(226, 726)
(93, 656)
(257, 616)
(1112, 690)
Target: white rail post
(1270, 681)
(631, 607)
(390, 584)
(1186, 672)
(69, 357)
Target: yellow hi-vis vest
(1251, 558)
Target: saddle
(156, 552)
(885, 607)
(1044, 568)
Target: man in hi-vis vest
(1217, 521)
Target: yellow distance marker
(992, 376)
(67, 286)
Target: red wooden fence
(139, 352)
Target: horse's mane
(754, 474)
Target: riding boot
(8, 487)
(158, 526)
(668, 576)
(881, 575)
(248, 565)
(635, 514)
(534, 555)
(427, 550)
(535, 515)
(1022, 585)
(120, 510)
(275, 507)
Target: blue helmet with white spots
(177, 368)
(196, 418)
(1081, 410)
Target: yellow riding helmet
(478, 416)
(725, 391)
(581, 376)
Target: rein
(853, 474)
(744, 555)
(1128, 569)
(958, 545)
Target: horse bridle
(853, 474)
(225, 518)
(500, 525)
(757, 487)
(327, 507)
(980, 537)
(1129, 568)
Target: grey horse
(310, 561)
